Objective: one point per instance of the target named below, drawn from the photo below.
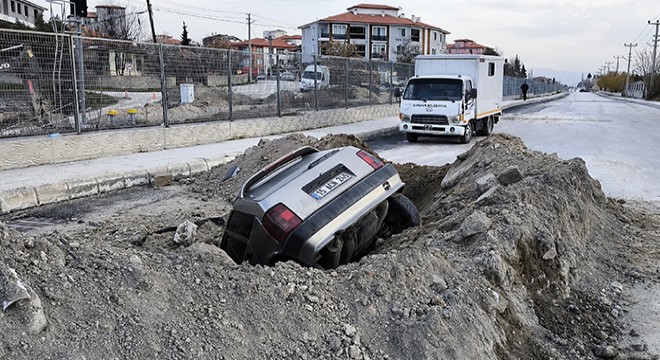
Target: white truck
(319, 72)
(452, 95)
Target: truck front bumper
(430, 129)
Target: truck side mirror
(473, 93)
(397, 93)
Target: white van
(319, 72)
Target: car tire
(411, 137)
(402, 213)
(467, 135)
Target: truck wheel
(402, 214)
(487, 127)
(467, 135)
(411, 137)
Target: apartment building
(24, 11)
(375, 32)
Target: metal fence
(511, 90)
(56, 83)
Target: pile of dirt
(519, 255)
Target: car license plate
(330, 185)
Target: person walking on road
(524, 87)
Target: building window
(26, 11)
(36, 13)
(414, 35)
(360, 50)
(403, 32)
(325, 30)
(13, 6)
(435, 36)
(339, 31)
(433, 51)
(378, 51)
(491, 69)
(379, 33)
(357, 32)
(19, 9)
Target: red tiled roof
(471, 45)
(349, 17)
(373, 7)
(290, 37)
(278, 43)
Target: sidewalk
(30, 187)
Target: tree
(336, 48)
(492, 51)
(407, 52)
(515, 68)
(185, 40)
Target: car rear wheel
(402, 214)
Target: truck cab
(315, 76)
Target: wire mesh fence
(59, 83)
(512, 90)
(36, 84)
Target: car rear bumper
(305, 243)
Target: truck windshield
(310, 75)
(434, 89)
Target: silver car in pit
(319, 208)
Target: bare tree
(644, 62)
(336, 48)
(119, 21)
(407, 51)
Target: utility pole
(608, 63)
(655, 48)
(151, 21)
(630, 46)
(249, 20)
(617, 57)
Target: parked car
(261, 77)
(319, 208)
(287, 76)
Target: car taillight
(370, 159)
(279, 222)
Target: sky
(556, 38)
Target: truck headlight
(454, 119)
(405, 118)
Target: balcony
(379, 37)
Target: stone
(475, 223)
(605, 352)
(185, 233)
(638, 347)
(486, 182)
(349, 330)
(354, 352)
(510, 175)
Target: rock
(74, 244)
(605, 352)
(185, 233)
(510, 175)
(313, 299)
(354, 352)
(486, 182)
(602, 335)
(638, 347)
(617, 286)
(475, 223)
(349, 330)
(489, 197)
(439, 284)
(633, 333)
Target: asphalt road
(619, 141)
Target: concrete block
(52, 193)
(110, 183)
(83, 187)
(198, 166)
(217, 161)
(17, 199)
(178, 171)
(136, 178)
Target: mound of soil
(519, 256)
